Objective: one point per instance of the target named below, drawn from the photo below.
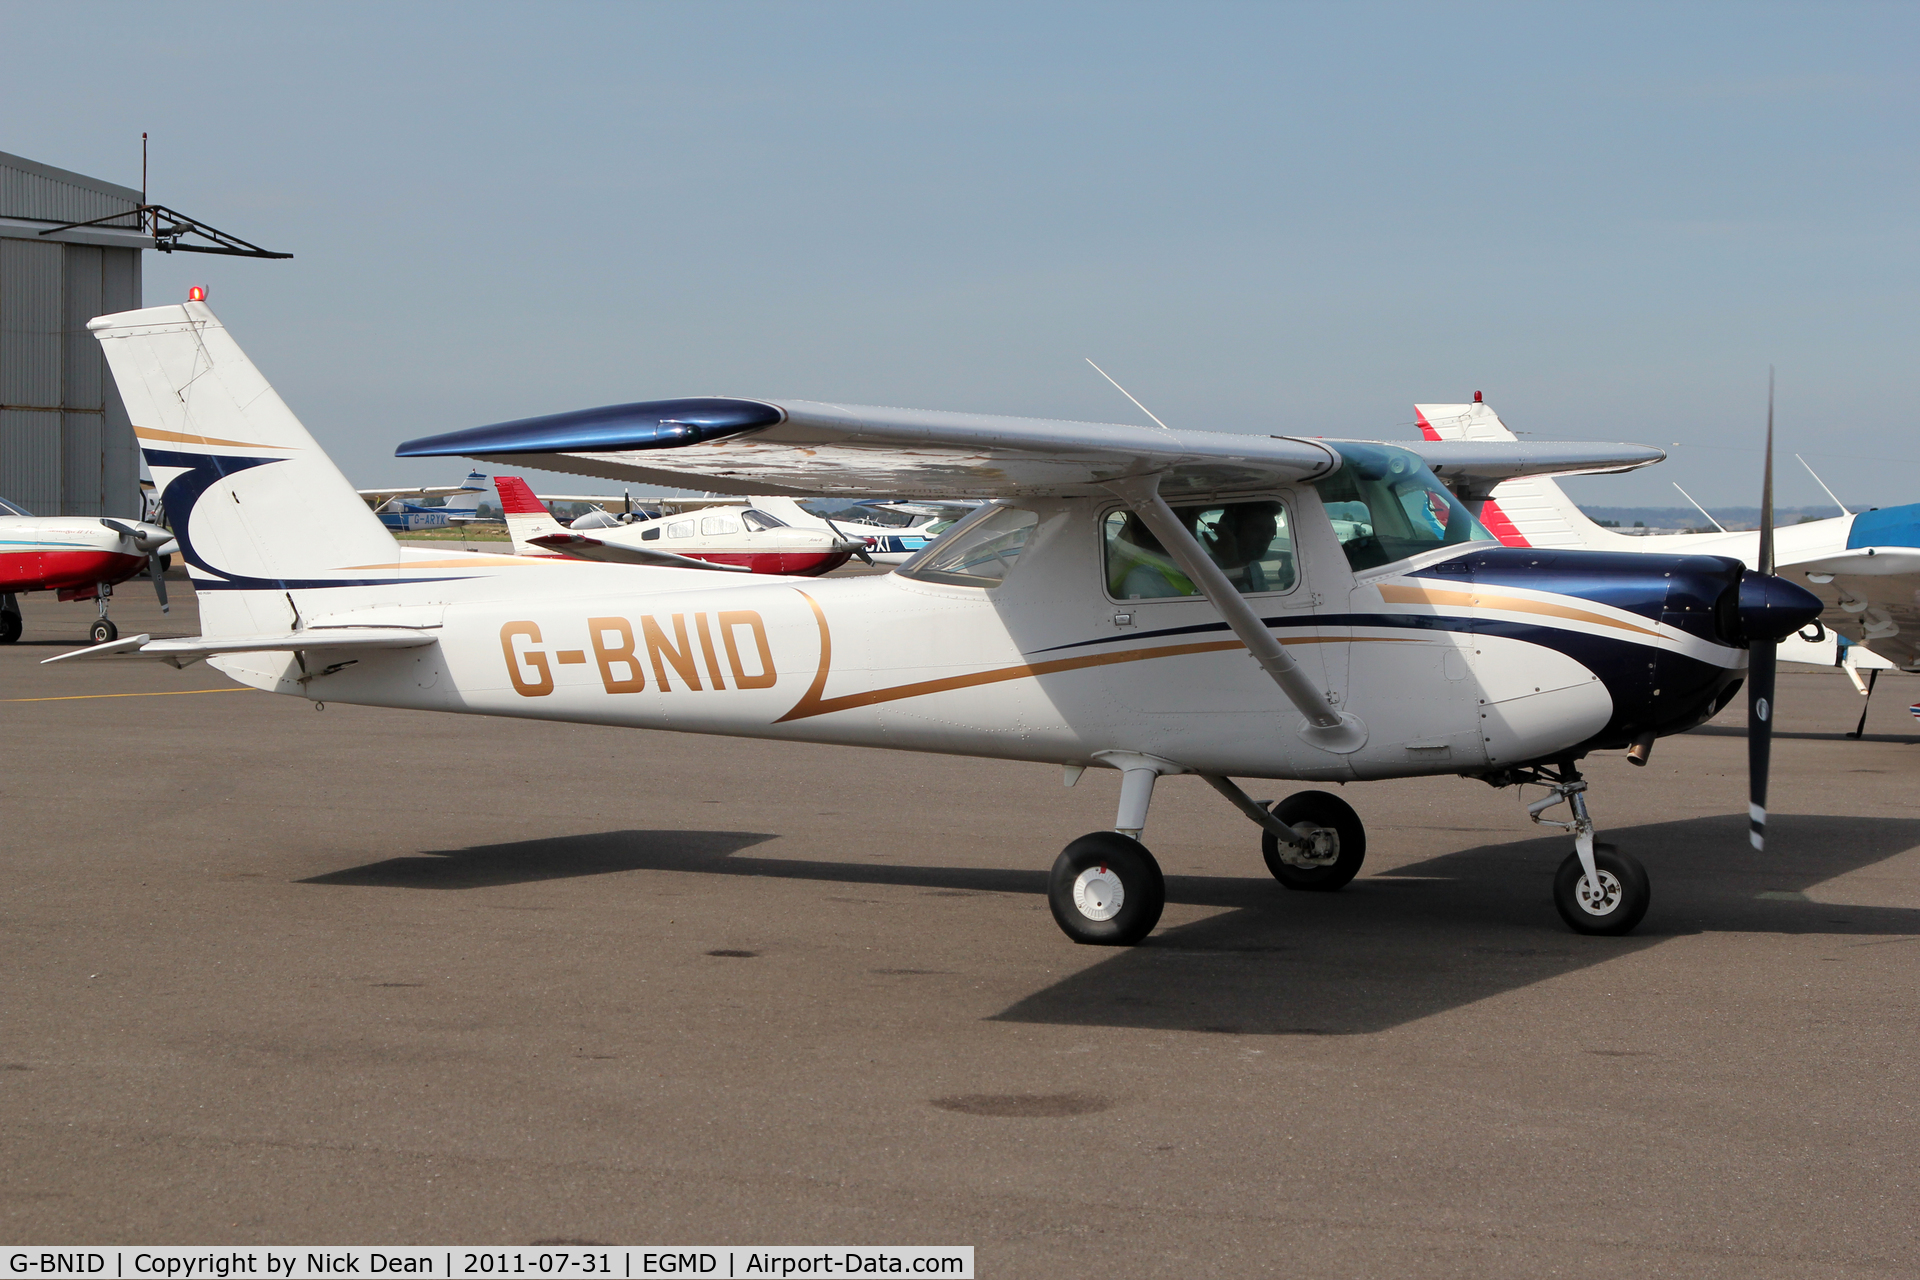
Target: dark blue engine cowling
(1655, 691)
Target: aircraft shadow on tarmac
(1738, 731)
(1389, 949)
(560, 858)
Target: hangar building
(66, 447)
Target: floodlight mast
(168, 239)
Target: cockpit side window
(1386, 505)
(1250, 541)
(757, 520)
(977, 552)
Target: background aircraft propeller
(148, 539)
(840, 534)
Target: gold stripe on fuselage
(1394, 594)
(814, 703)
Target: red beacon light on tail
(1477, 399)
(198, 293)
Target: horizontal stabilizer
(182, 650)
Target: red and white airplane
(743, 540)
(81, 557)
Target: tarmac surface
(371, 976)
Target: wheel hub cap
(1603, 902)
(1098, 893)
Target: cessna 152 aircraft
(1151, 601)
(462, 504)
(81, 557)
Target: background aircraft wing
(587, 548)
(806, 448)
(426, 491)
(1872, 596)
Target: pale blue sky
(1273, 218)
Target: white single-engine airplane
(81, 557)
(1100, 610)
(741, 539)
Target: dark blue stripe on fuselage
(198, 473)
(1652, 687)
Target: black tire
(1142, 890)
(11, 626)
(1318, 809)
(1629, 893)
(102, 631)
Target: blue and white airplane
(462, 505)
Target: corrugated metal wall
(66, 447)
(31, 190)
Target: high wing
(424, 491)
(805, 448)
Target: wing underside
(803, 448)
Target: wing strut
(1326, 728)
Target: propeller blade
(862, 554)
(1760, 664)
(1760, 668)
(157, 571)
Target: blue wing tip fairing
(647, 424)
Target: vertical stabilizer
(467, 502)
(527, 518)
(259, 509)
(1531, 511)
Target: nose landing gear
(1596, 890)
(103, 629)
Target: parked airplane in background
(1865, 567)
(889, 532)
(462, 505)
(893, 532)
(714, 537)
(80, 557)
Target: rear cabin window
(977, 552)
(1386, 505)
(1250, 541)
(680, 529)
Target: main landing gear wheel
(1106, 890)
(10, 627)
(103, 630)
(1345, 850)
(1615, 907)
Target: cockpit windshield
(12, 509)
(1386, 505)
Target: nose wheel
(1614, 905)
